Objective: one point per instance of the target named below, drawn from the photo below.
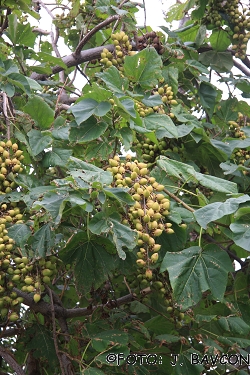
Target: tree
(125, 207)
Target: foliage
(125, 202)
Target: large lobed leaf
(196, 270)
(93, 259)
(215, 211)
(144, 68)
(186, 173)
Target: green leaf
(92, 258)
(128, 106)
(161, 124)
(54, 203)
(113, 80)
(93, 371)
(204, 318)
(39, 111)
(201, 35)
(100, 341)
(99, 224)
(170, 74)
(186, 173)
(38, 142)
(138, 308)
(52, 60)
(144, 68)
(185, 364)
(219, 40)
(19, 233)
(119, 194)
(91, 175)
(87, 107)
(234, 325)
(208, 96)
(241, 234)
(176, 12)
(12, 27)
(20, 81)
(123, 236)
(215, 211)
(196, 270)
(198, 66)
(56, 157)
(222, 61)
(152, 100)
(60, 129)
(42, 241)
(168, 338)
(40, 342)
(87, 131)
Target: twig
(5, 113)
(40, 31)
(46, 8)
(179, 200)
(145, 15)
(92, 32)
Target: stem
(54, 331)
(179, 200)
(200, 236)
(83, 354)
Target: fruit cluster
(148, 215)
(237, 17)
(150, 151)
(122, 48)
(10, 165)
(149, 39)
(29, 276)
(16, 270)
(240, 156)
(167, 95)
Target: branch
(7, 356)
(45, 308)
(92, 32)
(5, 22)
(242, 68)
(10, 332)
(71, 60)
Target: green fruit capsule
(36, 297)
(154, 257)
(47, 272)
(13, 317)
(28, 280)
(46, 279)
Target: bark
(72, 60)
